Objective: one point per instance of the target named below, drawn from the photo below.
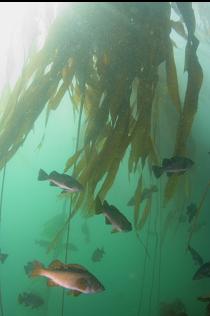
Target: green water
(135, 283)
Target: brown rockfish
(205, 298)
(146, 194)
(175, 165)
(74, 277)
(61, 180)
(113, 217)
(30, 300)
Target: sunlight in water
(23, 29)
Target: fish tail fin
(157, 171)
(36, 269)
(98, 206)
(42, 175)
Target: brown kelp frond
(195, 78)
(145, 214)
(24, 110)
(71, 161)
(195, 219)
(167, 226)
(52, 225)
(178, 26)
(137, 200)
(141, 145)
(32, 91)
(107, 58)
(172, 78)
(67, 76)
(203, 27)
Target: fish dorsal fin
(165, 162)
(56, 265)
(75, 267)
(51, 283)
(54, 174)
(65, 175)
(107, 221)
(176, 158)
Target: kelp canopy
(106, 56)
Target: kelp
(139, 216)
(179, 28)
(106, 57)
(203, 27)
(137, 200)
(145, 213)
(195, 78)
(195, 219)
(56, 221)
(172, 78)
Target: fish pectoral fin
(53, 184)
(74, 293)
(114, 230)
(64, 191)
(56, 264)
(107, 221)
(54, 174)
(51, 283)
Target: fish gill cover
(107, 58)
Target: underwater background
(135, 281)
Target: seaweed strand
(198, 211)
(71, 200)
(1, 303)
